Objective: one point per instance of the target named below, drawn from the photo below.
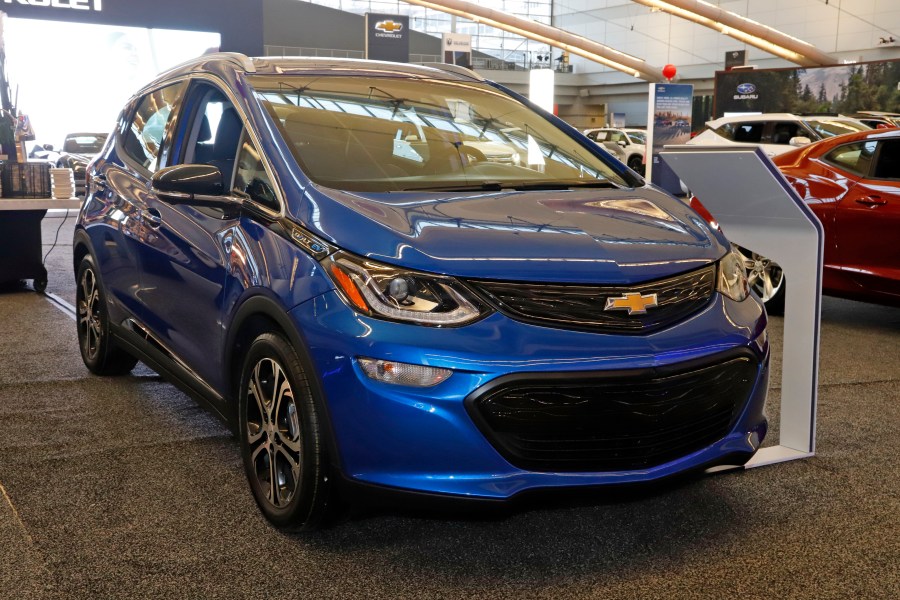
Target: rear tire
(282, 437)
(99, 352)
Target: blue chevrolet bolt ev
(406, 278)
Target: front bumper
(425, 439)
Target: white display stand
(758, 210)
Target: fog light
(398, 373)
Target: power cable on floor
(55, 238)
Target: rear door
(121, 184)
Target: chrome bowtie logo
(388, 26)
(633, 302)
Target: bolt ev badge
(388, 26)
(632, 302)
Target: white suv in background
(775, 133)
(627, 144)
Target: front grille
(616, 421)
(581, 307)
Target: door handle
(871, 201)
(151, 217)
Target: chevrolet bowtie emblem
(633, 302)
(388, 26)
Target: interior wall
(240, 23)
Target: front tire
(636, 164)
(282, 437)
(766, 278)
(99, 352)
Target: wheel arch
(256, 315)
(81, 247)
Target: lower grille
(617, 421)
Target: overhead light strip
(552, 36)
(747, 30)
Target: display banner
(669, 123)
(837, 89)
(387, 37)
(735, 58)
(457, 49)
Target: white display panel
(76, 77)
(759, 210)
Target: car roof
(303, 65)
(774, 117)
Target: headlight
(732, 277)
(398, 294)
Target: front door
(867, 223)
(185, 257)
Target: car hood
(589, 235)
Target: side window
(143, 137)
(748, 132)
(888, 164)
(783, 131)
(251, 179)
(855, 157)
(592, 136)
(726, 131)
(215, 132)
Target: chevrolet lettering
(96, 5)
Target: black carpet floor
(124, 488)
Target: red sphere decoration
(669, 72)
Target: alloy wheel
(764, 275)
(273, 432)
(90, 322)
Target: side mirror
(800, 140)
(191, 184)
(622, 143)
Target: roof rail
(237, 59)
(456, 69)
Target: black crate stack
(25, 180)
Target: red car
(852, 184)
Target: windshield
(637, 137)
(388, 134)
(85, 143)
(831, 127)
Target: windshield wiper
(486, 186)
(497, 186)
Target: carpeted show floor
(124, 488)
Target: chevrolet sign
(633, 302)
(388, 26)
